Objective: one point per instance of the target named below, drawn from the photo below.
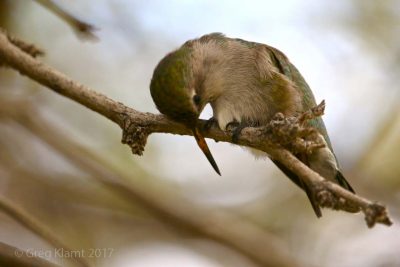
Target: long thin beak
(203, 146)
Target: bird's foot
(236, 129)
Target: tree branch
(137, 126)
(30, 49)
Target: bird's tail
(343, 183)
(299, 182)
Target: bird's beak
(203, 146)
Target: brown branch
(137, 126)
(30, 49)
(12, 256)
(32, 224)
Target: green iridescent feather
(169, 83)
(290, 71)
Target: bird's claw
(236, 129)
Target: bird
(246, 83)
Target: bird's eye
(196, 99)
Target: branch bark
(137, 126)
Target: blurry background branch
(12, 256)
(137, 126)
(184, 217)
(81, 28)
(32, 224)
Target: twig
(12, 256)
(30, 49)
(32, 224)
(81, 28)
(140, 125)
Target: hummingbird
(246, 83)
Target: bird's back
(286, 68)
(241, 80)
(308, 100)
(283, 82)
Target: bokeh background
(347, 50)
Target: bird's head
(173, 89)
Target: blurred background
(54, 152)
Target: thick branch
(137, 126)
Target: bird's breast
(244, 107)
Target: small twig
(81, 28)
(30, 49)
(131, 120)
(293, 133)
(313, 113)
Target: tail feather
(343, 182)
(299, 182)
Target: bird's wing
(286, 68)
